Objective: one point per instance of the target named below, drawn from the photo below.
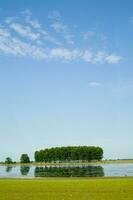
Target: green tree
(69, 153)
(8, 160)
(24, 158)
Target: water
(104, 170)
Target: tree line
(63, 154)
(70, 153)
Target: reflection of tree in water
(9, 169)
(86, 171)
(24, 170)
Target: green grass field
(67, 188)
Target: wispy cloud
(87, 56)
(30, 28)
(10, 45)
(64, 53)
(77, 54)
(24, 31)
(113, 59)
(100, 57)
(28, 18)
(60, 27)
(89, 34)
(24, 36)
(94, 84)
(94, 36)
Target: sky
(66, 76)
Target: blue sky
(66, 75)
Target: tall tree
(24, 158)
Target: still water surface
(67, 171)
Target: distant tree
(24, 158)
(8, 160)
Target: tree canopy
(24, 158)
(8, 160)
(70, 153)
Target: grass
(67, 189)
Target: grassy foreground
(67, 189)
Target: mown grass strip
(67, 189)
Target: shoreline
(122, 161)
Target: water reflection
(17, 171)
(9, 169)
(88, 171)
(24, 170)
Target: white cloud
(113, 59)
(60, 27)
(87, 56)
(24, 31)
(99, 57)
(95, 84)
(30, 28)
(55, 15)
(10, 20)
(28, 18)
(69, 38)
(64, 53)
(33, 23)
(27, 12)
(10, 45)
(4, 32)
(88, 35)
(26, 37)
